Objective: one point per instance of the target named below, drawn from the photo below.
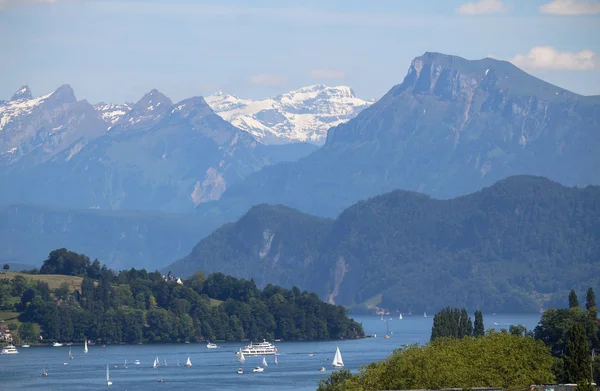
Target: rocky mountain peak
(192, 107)
(63, 94)
(152, 100)
(23, 93)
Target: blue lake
(215, 369)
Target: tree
(335, 382)
(573, 301)
(577, 359)
(6, 266)
(478, 329)
(26, 331)
(590, 303)
(498, 359)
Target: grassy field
(53, 280)
(8, 317)
(215, 302)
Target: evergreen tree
(573, 301)
(478, 330)
(577, 359)
(590, 302)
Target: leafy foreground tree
(494, 360)
(578, 359)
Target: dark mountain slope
(452, 127)
(508, 247)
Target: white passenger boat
(57, 344)
(211, 345)
(260, 349)
(9, 349)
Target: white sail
(276, 360)
(265, 362)
(241, 357)
(125, 365)
(70, 354)
(188, 363)
(165, 362)
(85, 349)
(337, 359)
(155, 362)
(400, 317)
(108, 376)
(424, 314)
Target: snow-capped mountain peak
(111, 112)
(23, 93)
(304, 114)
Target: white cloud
(481, 7)
(268, 80)
(326, 74)
(571, 7)
(546, 57)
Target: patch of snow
(12, 150)
(111, 113)
(304, 114)
(14, 110)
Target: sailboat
(400, 317)
(188, 363)
(156, 363)
(158, 378)
(70, 355)
(337, 359)
(276, 360)
(387, 330)
(382, 316)
(44, 372)
(241, 357)
(85, 349)
(424, 314)
(108, 382)
(265, 362)
(177, 360)
(125, 365)
(165, 362)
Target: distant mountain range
(451, 127)
(513, 247)
(302, 115)
(151, 155)
(121, 239)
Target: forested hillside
(137, 306)
(515, 246)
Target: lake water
(215, 369)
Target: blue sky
(116, 50)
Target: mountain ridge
(507, 247)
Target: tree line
(139, 306)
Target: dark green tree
(6, 266)
(26, 331)
(573, 301)
(590, 303)
(578, 358)
(478, 329)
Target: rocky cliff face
(451, 127)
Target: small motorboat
(240, 371)
(25, 346)
(136, 362)
(211, 345)
(322, 369)
(57, 344)
(258, 369)
(311, 354)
